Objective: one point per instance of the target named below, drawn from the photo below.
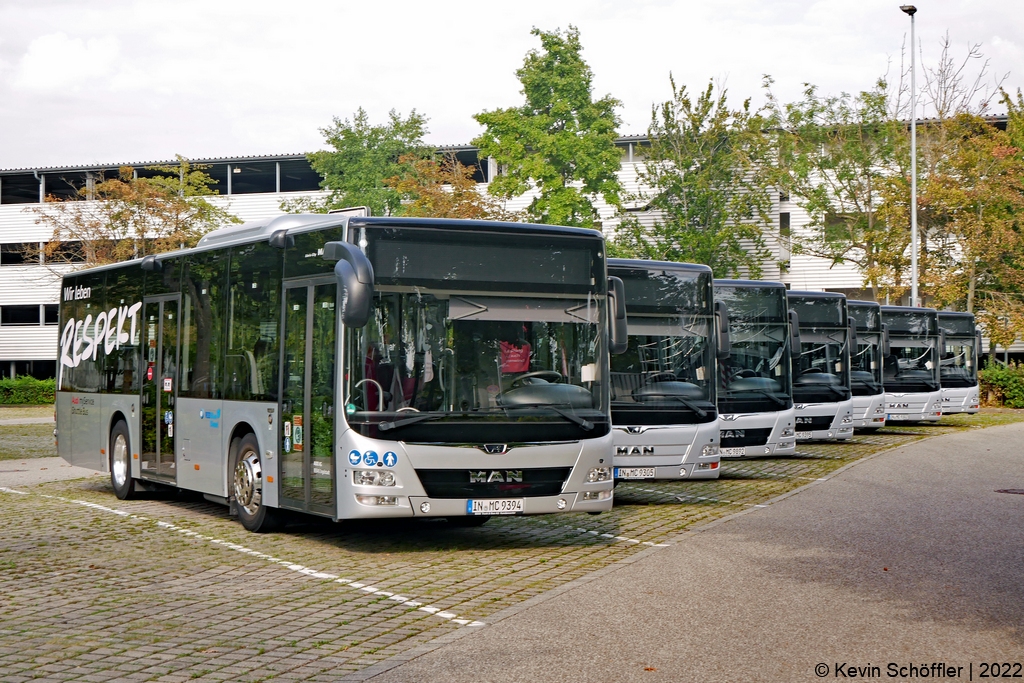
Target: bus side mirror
(619, 331)
(281, 239)
(355, 275)
(794, 333)
(886, 347)
(853, 335)
(150, 264)
(942, 343)
(977, 353)
(723, 337)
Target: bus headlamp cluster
(709, 450)
(787, 431)
(598, 474)
(373, 477)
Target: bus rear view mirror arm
(619, 330)
(724, 338)
(355, 275)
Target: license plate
(500, 506)
(897, 417)
(803, 435)
(732, 451)
(634, 473)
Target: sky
(143, 80)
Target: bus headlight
(847, 420)
(787, 431)
(709, 450)
(373, 478)
(599, 474)
(879, 410)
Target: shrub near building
(26, 390)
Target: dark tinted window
(867, 318)
(654, 291)
(124, 298)
(253, 323)
(824, 312)
(19, 315)
(52, 314)
(957, 325)
(167, 280)
(911, 322)
(754, 304)
(298, 176)
(256, 176)
(306, 257)
(19, 253)
(204, 305)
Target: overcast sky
(141, 80)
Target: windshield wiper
(763, 393)
(422, 417)
(686, 402)
(575, 419)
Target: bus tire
(246, 486)
(468, 521)
(121, 462)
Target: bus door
(307, 474)
(159, 376)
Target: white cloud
(58, 62)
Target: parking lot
(170, 588)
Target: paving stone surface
(170, 588)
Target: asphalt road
(909, 558)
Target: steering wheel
(552, 375)
(407, 409)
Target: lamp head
(909, 9)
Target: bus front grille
(735, 438)
(493, 482)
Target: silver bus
(958, 367)
(755, 389)
(867, 350)
(664, 418)
(821, 371)
(910, 373)
(349, 367)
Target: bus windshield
(457, 342)
(756, 375)
(866, 366)
(911, 365)
(665, 375)
(958, 367)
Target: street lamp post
(914, 301)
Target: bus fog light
(365, 477)
(785, 444)
(424, 507)
(831, 434)
(710, 450)
(560, 504)
(599, 474)
(707, 466)
(596, 495)
(377, 500)
(387, 479)
(788, 431)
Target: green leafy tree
(837, 157)
(704, 184)
(128, 217)
(363, 156)
(560, 141)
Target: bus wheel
(121, 462)
(468, 521)
(247, 486)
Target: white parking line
(598, 533)
(287, 564)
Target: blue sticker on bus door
(354, 457)
(390, 459)
(370, 458)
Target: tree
(442, 187)
(131, 217)
(836, 157)
(561, 141)
(704, 174)
(363, 157)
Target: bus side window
(253, 323)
